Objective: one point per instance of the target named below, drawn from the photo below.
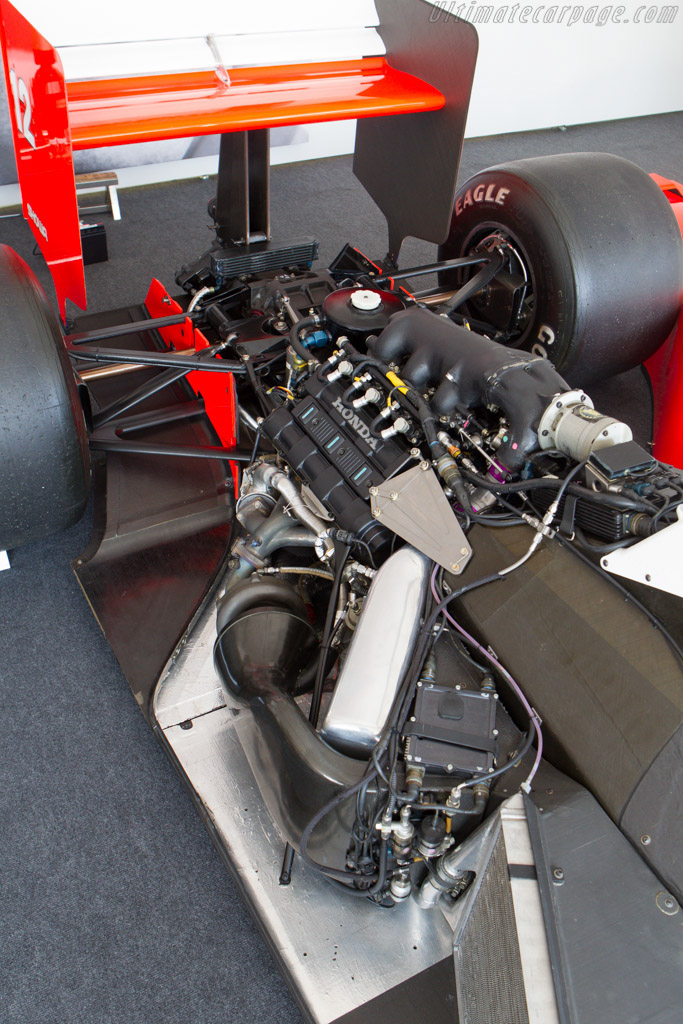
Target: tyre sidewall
(602, 245)
(44, 444)
(515, 211)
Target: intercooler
(488, 967)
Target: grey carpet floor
(115, 907)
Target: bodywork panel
(42, 144)
(161, 524)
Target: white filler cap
(366, 300)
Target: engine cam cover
(329, 444)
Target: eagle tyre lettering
(484, 193)
(546, 335)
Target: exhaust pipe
(264, 644)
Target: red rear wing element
(42, 144)
(105, 113)
(117, 111)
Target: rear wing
(408, 168)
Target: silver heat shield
(378, 655)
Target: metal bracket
(99, 181)
(243, 191)
(414, 506)
(655, 561)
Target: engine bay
(387, 428)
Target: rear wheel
(594, 260)
(43, 440)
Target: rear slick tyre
(602, 251)
(44, 455)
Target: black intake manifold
(470, 371)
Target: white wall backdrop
(600, 62)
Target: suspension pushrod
(136, 397)
(197, 360)
(115, 444)
(432, 268)
(476, 283)
(133, 327)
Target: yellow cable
(397, 382)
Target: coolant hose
(297, 330)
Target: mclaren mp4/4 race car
(401, 604)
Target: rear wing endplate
(42, 144)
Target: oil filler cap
(361, 311)
(365, 300)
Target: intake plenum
(470, 371)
